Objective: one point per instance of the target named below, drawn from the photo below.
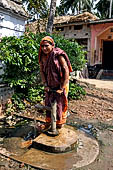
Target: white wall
(11, 25)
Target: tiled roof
(15, 6)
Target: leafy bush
(18, 101)
(20, 55)
(76, 91)
(36, 94)
(20, 58)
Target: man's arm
(42, 74)
(65, 71)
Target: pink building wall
(96, 31)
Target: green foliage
(18, 101)
(37, 8)
(102, 8)
(76, 91)
(20, 55)
(36, 94)
(76, 6)
(9, 109)
(16, 104)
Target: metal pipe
(41, 107)
(53, 116)
(53, 131)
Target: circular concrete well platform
(64, 142)
(86, 152)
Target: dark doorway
(107, 62)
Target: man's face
(46, 47)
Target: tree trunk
(51, 16)
(110, 9)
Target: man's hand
(47, 89)
(60, 91)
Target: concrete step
(107, 74)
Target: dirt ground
(93, 114)
(96, 110)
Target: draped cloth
(62, 104)
(53, 73)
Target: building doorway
(107, 60)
